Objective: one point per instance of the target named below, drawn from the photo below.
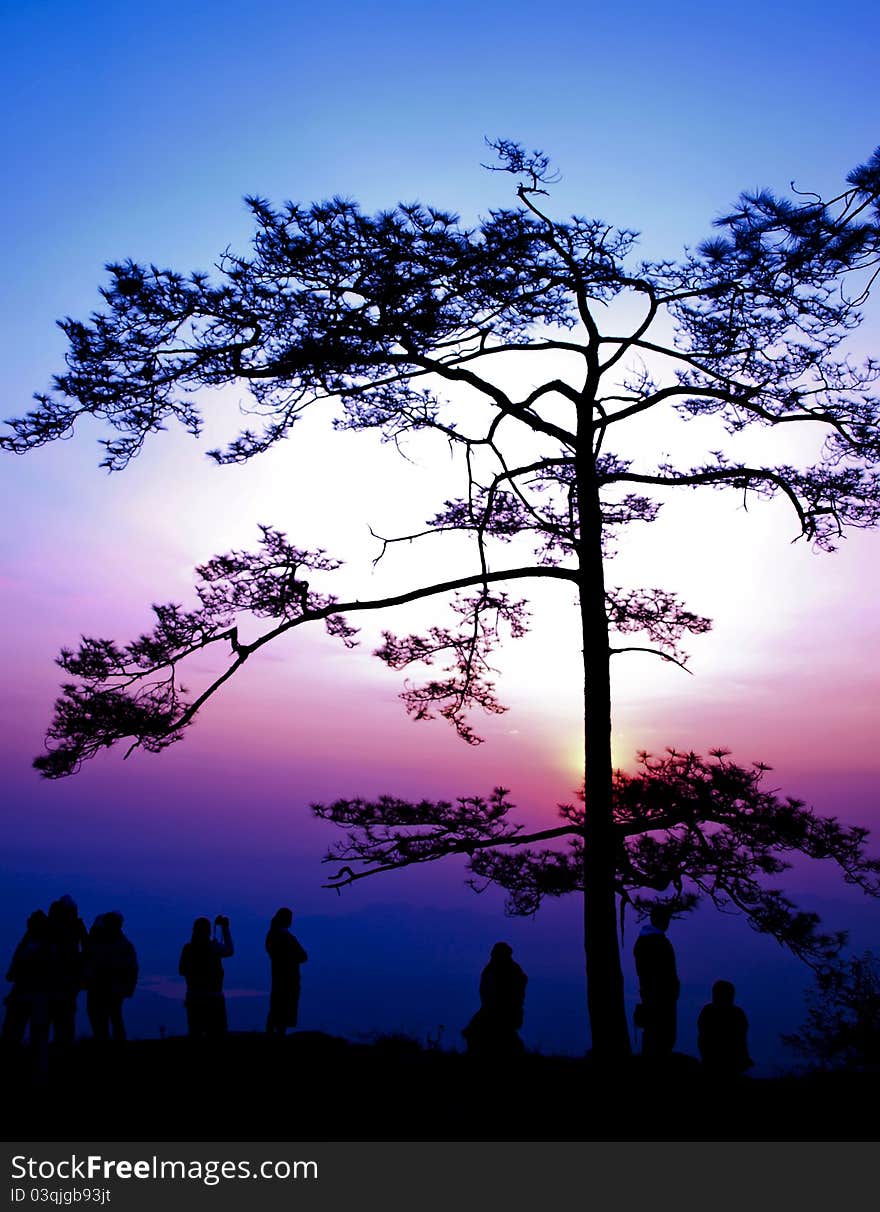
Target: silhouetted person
(110, 972)
(494, 1029)
(202, 967)
(68, 936)
(658, 984)
(27, 1003)
(722, 1033)
(286, 955)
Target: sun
(572, 755)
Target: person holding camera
(201, 966)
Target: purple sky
(136, 138)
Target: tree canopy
(842, 1025)
(378, 313)
(688, 828)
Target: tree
(384, 314)
(842, 1027)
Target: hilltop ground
(315, 1087)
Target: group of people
(722, 1026)
(58, 957)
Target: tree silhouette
(386, 316)
(692, 828)
(842, 1027)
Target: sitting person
(722, 1033)
(494, 1029)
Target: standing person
(494, 1029)
(27, 1003)
(659, 986)
(110, 972)
(202, 967)
(722, 1033)
(68, 937)
(286, 954)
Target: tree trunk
(607, 1010)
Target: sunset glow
(787, 675)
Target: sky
(136, 132)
